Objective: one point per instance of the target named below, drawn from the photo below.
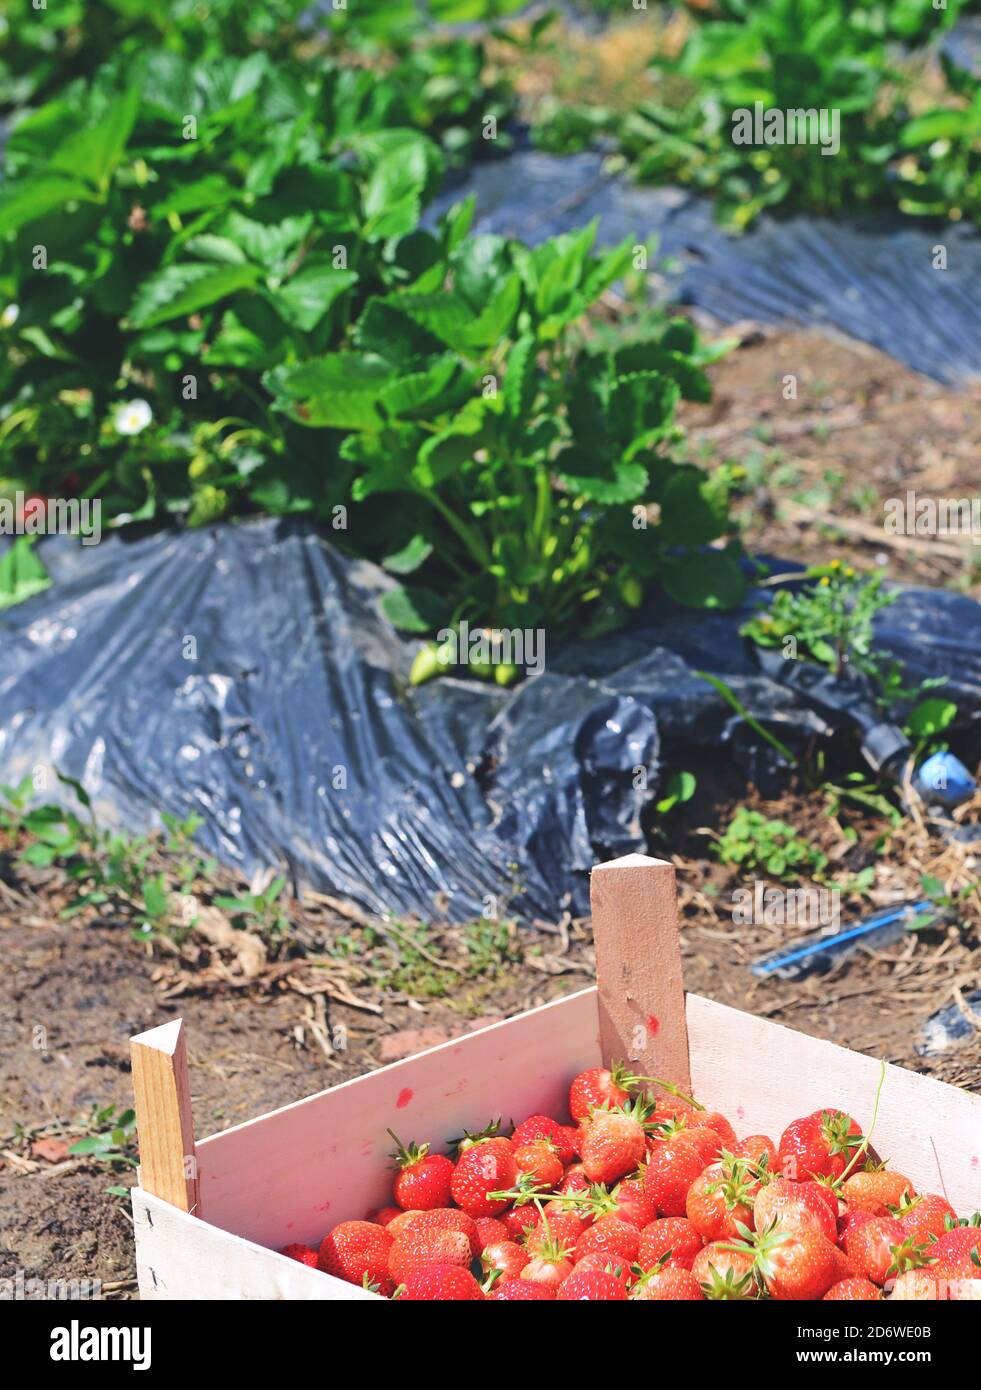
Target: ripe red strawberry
(521, 1291)
(490, 1229)
(423, 1179)
(850, 1220)
(797, 1206)
(671, 1236)
(706, 1141)
(560, 1225)
(486, 1165)
(611, 1264)
(402, 1222)
(878, 1249)
(437, 1283)
(672, 1166)
(385, 1215)
(356, 1249)
(759, 1150)
(446, 1219)
(796, 1265)
(592, 1285)
(599, 1086)
(669, 1282)
(303, 1253)
(504, 1255)
(613, 1142)
(819, 1145)
(631, 1203)
(849, 1290)
(957, 1253)
(725, 1275)
(564, 1137)
(550, 1266)
(520, 1221)
(574, 1182)
(415, 1249)
(611, 1236)
(720, 1200)
(712, 1119)
(925, 1217)
(540, 1161)
(876, 1191)
(669, 1110)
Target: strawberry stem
(671, 1088)
(866, 1138)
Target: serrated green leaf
(180, 290)
(692, 512)
(599, 480)
(27, 201)
(412, 396)
(93, 153)
(341, 390)
(306, 296)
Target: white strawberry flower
(130, 417)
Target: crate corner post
(638, 967)
(165, 1129)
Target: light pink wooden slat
(638, 967)
(178, 1257)
(762, 1076)
(292, 1174)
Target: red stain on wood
(653, 1025)
(404, 1098)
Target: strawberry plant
(220, 299)
(522, 458)
(798, 56)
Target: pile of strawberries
(648, 1198)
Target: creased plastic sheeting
(871, 278)
(246, 673)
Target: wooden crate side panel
(178, 1256)
(292, 1174)
(762, 1076)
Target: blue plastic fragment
(944, 780)
(816, 953)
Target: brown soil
(863, 428)
(261, 1022)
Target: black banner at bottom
(67, 1340)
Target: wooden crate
(210, 1217)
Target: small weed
(417, 969)
(755, 844)
(680, 788)
(261, 913)
(490, 946)
(113, 1140)
(857, 788)
(830, 621)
